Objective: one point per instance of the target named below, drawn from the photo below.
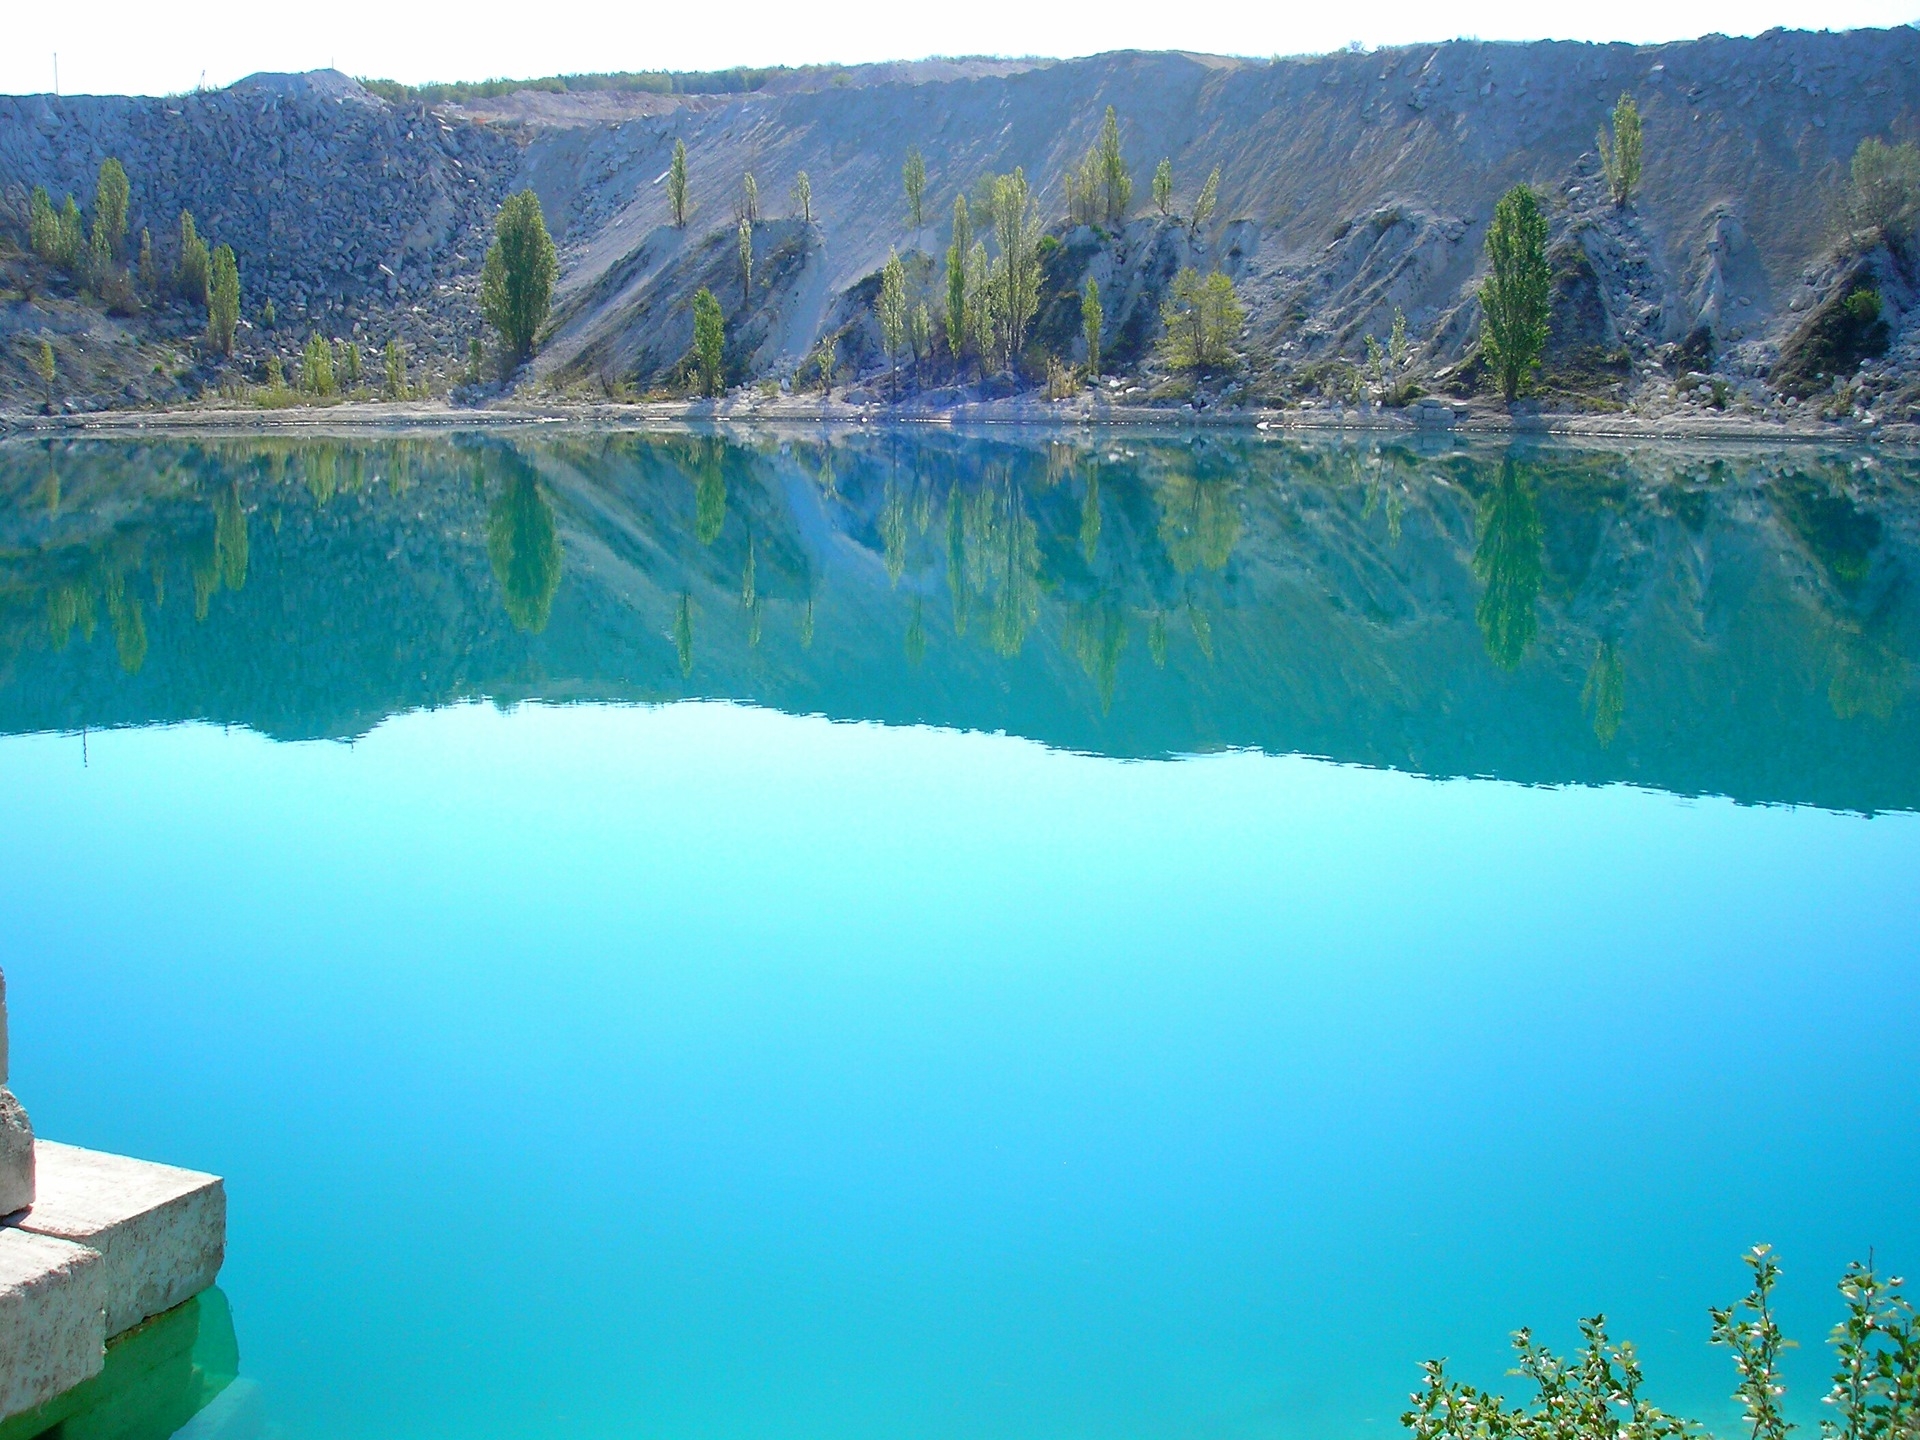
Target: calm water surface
(968, 937)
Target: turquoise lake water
(958, 936)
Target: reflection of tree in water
(1507, 560)
(1841, 536)
(893, 529)
(1605, 693)
(1090, 517)
(683, 633)
(129, 625)
(916, 639)
(224, 562)
(1157, 639)
(1098, 631)
(524, 547)
(1199, 520)
(70, 604)
(1202, 628)
(709, 492)
(1001, 562)
(806, 625)
(1868, 675)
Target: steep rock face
(1358, 183)
(335, 202)
(1352, 185)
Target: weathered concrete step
(161, 1231)
(53, 1298)
(158, 1378)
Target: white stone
(16, 1155)
(161, 1232)
(52, 1318)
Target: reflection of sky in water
(699, 1069)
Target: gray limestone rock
(16, 1155)
(52, 1299)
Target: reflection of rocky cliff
(1718, 624)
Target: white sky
(108, 46)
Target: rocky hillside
(1351, 185)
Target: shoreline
(1479, 421)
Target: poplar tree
(957, 277)
(223, 299)
(803, 197)
(516, 283)
(891, 309)
(1620, 159)
(1163, 188)
(750, 199)
(1515, 296)
(43, 366)
(1090, 322)
(920, 334)
(709, 341)
(73, 235)
(677, 184)
(395, 360)
(190, 275)
(1016, 275)
(1116, 185)
(43, 227)
(1203, 204)
(149, 276)
(746, 260)
(914, 175)
(111, 197)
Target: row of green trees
(95, 254)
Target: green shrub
(1595, 1394)
(1203, 320)
(1840, 334)
(1883, 189)
(316, 367)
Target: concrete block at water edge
(52, 1318)
(16, 1155)
(161, 1232)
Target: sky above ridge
(116, 46)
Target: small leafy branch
(1595, 1395)
(1751, 1332)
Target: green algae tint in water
(865, 937)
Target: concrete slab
(157, 1377)
(161, 1232)
(52, 1318)
(16, 1155)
